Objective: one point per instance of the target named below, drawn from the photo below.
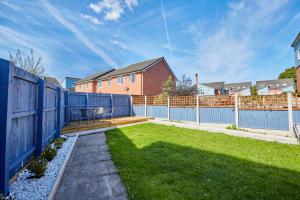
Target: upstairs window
(108, 82)
(132, 77)
(100, 84)
(120, 80)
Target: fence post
(40, 115)
(67, 117)
(290, 112)
(145, 111)
(197, 111)
(112, 104)
(87, 100)
(5, 124)
(236, 109)
(131, 106)
(169, 108)
(58, 107)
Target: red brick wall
(298, 78)
(135, 88)
(86, 87)
(154, 77)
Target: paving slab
(90, 172)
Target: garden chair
(109, 113)
(98, 113)
(84, 115)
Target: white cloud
(11, 5)
(131, 3)
(112, 9)
(80, 36)
(119, 44)
(230, 46)
(94, 20)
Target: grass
(170, 163)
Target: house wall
(154, 77)
(263, 91)
(69, 83)
(245, 92)
(296, 49)
(86, 87)
(204, 90)
(115, 88)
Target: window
(120, 80)
(108, 82)
(132, 78)
(299, 54)
(99, 84)
(87, 85)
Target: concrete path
(239, 133)
(90, 172)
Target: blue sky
(235, 40)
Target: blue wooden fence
(32, 113)
(76, 100)
(28, 120)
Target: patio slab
(90, 173)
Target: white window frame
(108, 82)
(100, 83)
(120, 80)
(131, 77)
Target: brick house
(89, 84)
(296, 46)
(143, 78)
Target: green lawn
(164, 162)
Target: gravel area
(38, 189)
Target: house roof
(237, 87)
(53, 81)
(140, 66)
(94, 76)
(215, 85)
(296, 40)
(274, 84)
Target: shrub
(38, 166)
(49, 153)
(59, 142)
(232, 126)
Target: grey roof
(237, 87)
(94, 76)
(297, 39)
(215, 85)
(53, 81)
(134, 68)
(275, 84)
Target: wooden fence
(266, 112)
(32, 112)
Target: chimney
(197, 80)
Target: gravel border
(39, 189)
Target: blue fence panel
(217, 115)
(138, 110)
(183, 114)
(296, 116)
(76, 101)
(121, 105)
(62, 109)
(264, 119)
(157, 111)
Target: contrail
(166, 28)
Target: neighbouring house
(89, 84)
(69, 83)
(296, 46)
(213, 88)
(143, 78)
(270, 87)
(53, 80)
(243, 88)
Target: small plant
(2, 196)
(232, 127)
(38, 166)
(59, 142)
(49, 153)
